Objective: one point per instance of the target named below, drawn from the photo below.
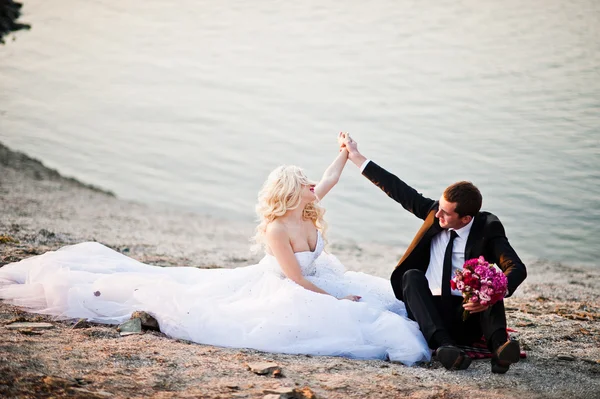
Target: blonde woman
(298, 299)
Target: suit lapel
(476, 231)
(420, 234)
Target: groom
(454, 231)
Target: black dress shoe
(506, 354)
(453, 358)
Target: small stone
(5, 239)
(33, 326)
(567, 358)
(148, 321)
(133, 326)
(29, 331)
(97, 394)
(59, 382)
(81, 323)
(525, 324)
(290, 393)
(280, 391)
(264, 368)
(306, 393)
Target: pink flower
(484, 297)
(480, 282)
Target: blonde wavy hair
(282, 191)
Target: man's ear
(466, 219)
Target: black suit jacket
(487, 237)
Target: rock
(525, 324)
(306, 393)
(148, 321)
(289, 393)
(59, 382)
(568, 358)
(29, 331)
(81, 323)
(133, 326)
(264, 368)
(98, 394)
(31, 326)
(5, 239)
(280, 391)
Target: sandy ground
(556, 313)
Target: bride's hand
(353, 298)
(342, 138)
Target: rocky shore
(10, 11)
(556, 314)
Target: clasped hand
(473, 307)
(346, 142)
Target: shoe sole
(453, 358)
(507, 354)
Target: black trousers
(435, 313)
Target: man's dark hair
(466, 196)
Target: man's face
(448, 216)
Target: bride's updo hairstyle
(283, 192)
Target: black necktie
(446, 274)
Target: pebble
(101, 394)
(148, 321)
(263, 368)
(289, 393)
(36, 326)
(133, 326)
(568, 358)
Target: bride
(297, 299)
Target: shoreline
(556, 313)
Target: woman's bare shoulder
(276, 229)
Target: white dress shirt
(437, 251)
(364, 165)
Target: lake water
(192, 103)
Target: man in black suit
(454, 231)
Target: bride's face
(308, 193)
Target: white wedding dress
(247, 307)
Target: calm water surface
(192, 104)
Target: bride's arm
(279, 242)
(332, 174)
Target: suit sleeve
(505, 256)
(399, 191)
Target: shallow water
(193, 104)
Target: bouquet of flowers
(480, 283)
